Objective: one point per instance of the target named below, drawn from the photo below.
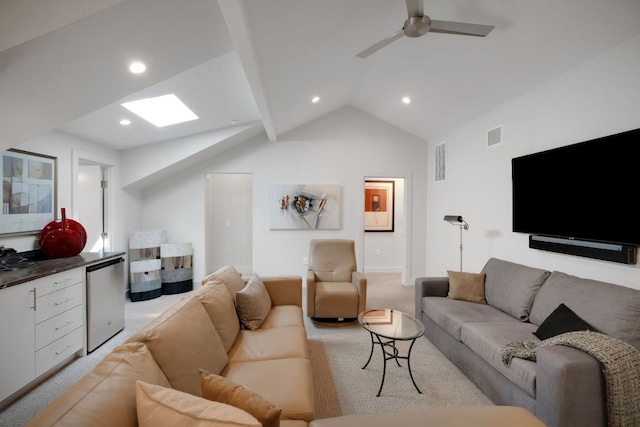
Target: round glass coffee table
(386, 326)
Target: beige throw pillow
(253, 304)
(221, 389)
(229, 276)
(160, 406)
(467, 286)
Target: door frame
(408, 235)
(106, 167)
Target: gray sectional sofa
(565, 387)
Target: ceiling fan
(418, 24)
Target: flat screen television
(585, 191)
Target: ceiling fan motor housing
(416, 26)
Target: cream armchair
(335, 290)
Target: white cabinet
(17, 357)
(41, 325)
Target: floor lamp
(457, 220)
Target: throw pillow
(561, 320)
(253, 303)
(221, 389)
(161, 406)
(229, 276)
(467, 286)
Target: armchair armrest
(284, 290)
(360, 282)
(570, 387)
(429, 287)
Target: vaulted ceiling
(235, 62)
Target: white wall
(598, 98)
(340, 148)
(125, 206)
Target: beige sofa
(202, 331)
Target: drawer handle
(34, 299)
(63, 302)
(64, 326)
(62, 281)
(58, 353)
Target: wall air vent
(441, 161)
(494, 136)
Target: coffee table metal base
(388, 355)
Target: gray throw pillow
(253, 303)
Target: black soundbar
(616, 252)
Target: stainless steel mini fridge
(105, 301)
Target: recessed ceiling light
(162, 110)
(125, 122)
(406, 100)
(315, 99)
(137, 67)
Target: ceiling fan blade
(414, 8)
(460, 28)
(382, 43)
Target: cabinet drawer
(58, 326)
(55, 282)
(58, 302)
(54, 353)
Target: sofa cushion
(229, 276)
(253, 303)
(282, 316)
(512, 287)
(466, 286)
(451, 314)
(287, 383)
(223, 390)
(159, 406)
(106, 396)
(487, 339)
(183, 343)
(561, 320)
(217, 301)
(274, 343)
(611, 309)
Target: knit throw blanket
(620, 364)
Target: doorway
(229, 222)
(90, 204)
(385, 251)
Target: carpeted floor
(343, 350)
(337, 354)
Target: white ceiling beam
(235, 17)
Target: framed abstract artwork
(29, 199)
(378, 205)
(305, 207)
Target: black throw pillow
(562, 320)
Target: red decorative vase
(62, 239)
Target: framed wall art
(378, 205)
(305, 207)
(29, 199)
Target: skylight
(162, 110)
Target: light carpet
(337, 355)
(343, 350)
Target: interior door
(90, 205)
(229, 222)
